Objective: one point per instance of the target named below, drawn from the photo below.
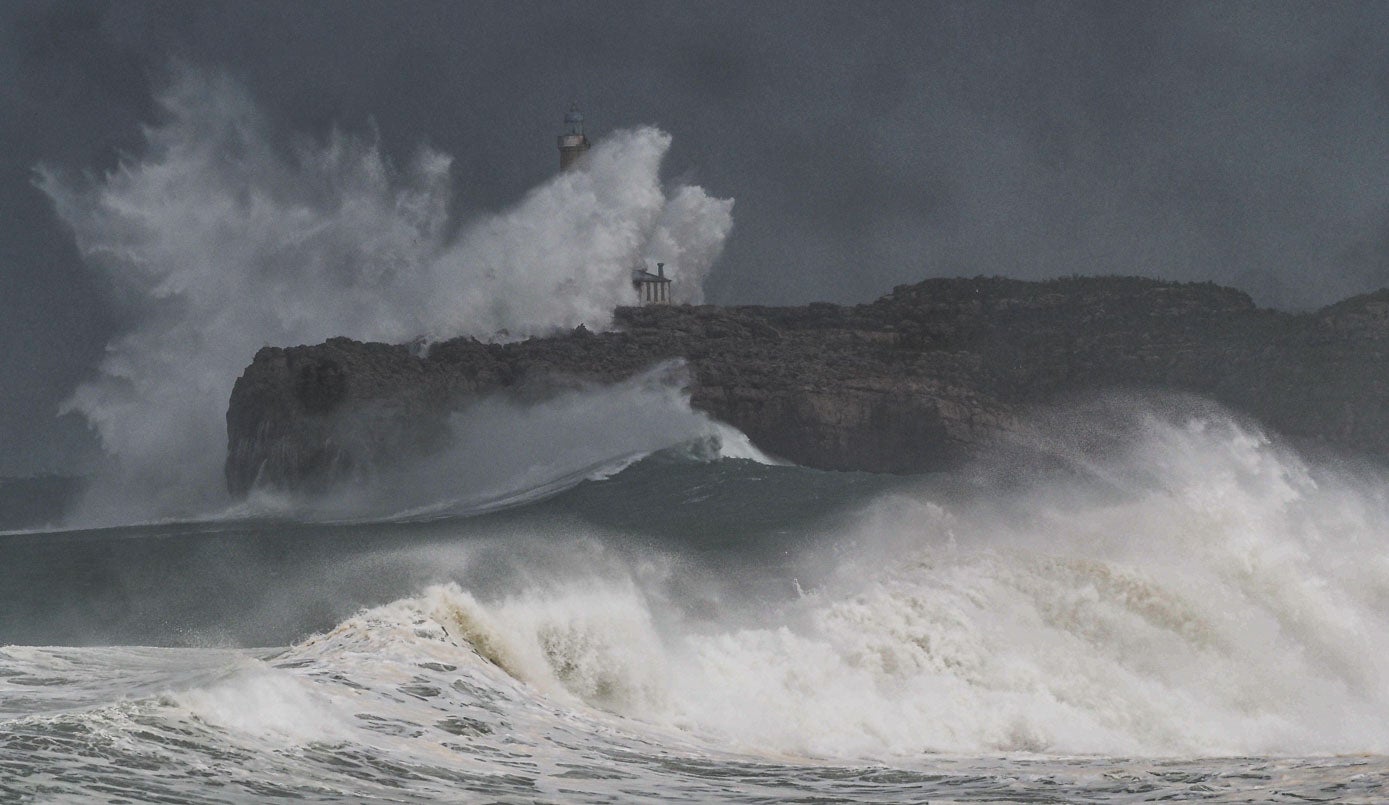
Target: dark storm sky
(866, 144)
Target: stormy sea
(607, 596)
(1195, 614)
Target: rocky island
(918, 380)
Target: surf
(217, 241)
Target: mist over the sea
(218, 240)
(1185, 605)
(1235, 142)
(587, 592)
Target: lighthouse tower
(572, 143)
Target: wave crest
(1225, 599)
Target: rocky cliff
(917, 380)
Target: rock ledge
(917, 380)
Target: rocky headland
(918, 380)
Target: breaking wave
(218, 240)
(1234, 603)
(1229, 598)
(1196, 591)
(504, 453)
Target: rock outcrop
(916, 381)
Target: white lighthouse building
(652, 289)
(572, 143)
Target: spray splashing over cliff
(217, 242)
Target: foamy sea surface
(345, 718)
(1195, 612)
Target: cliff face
(915, 381)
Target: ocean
(1190, 609)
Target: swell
(1199, 590)
(499, 452)
(1233, 602)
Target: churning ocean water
(582, 600)
(1194, 612)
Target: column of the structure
(572, 143)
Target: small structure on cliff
(652, 289)
(924, 379)
(572, 143)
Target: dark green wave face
(1114, 609)
(271, 581)
(730, 504)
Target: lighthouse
(572, 143)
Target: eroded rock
(917, 380)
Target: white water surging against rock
(216, 242)
(500, 452)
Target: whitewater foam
(501, 453)
(1198, 591)
(267, 705)
(1232, 607)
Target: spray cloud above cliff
(218, 240)
(1232, 142)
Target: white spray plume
(218, 242)
(1208, 593)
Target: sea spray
(216, 241)
(1183, 585)
(1230, 603)
(500, 451)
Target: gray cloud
(866, 144)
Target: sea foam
(1230, 600)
